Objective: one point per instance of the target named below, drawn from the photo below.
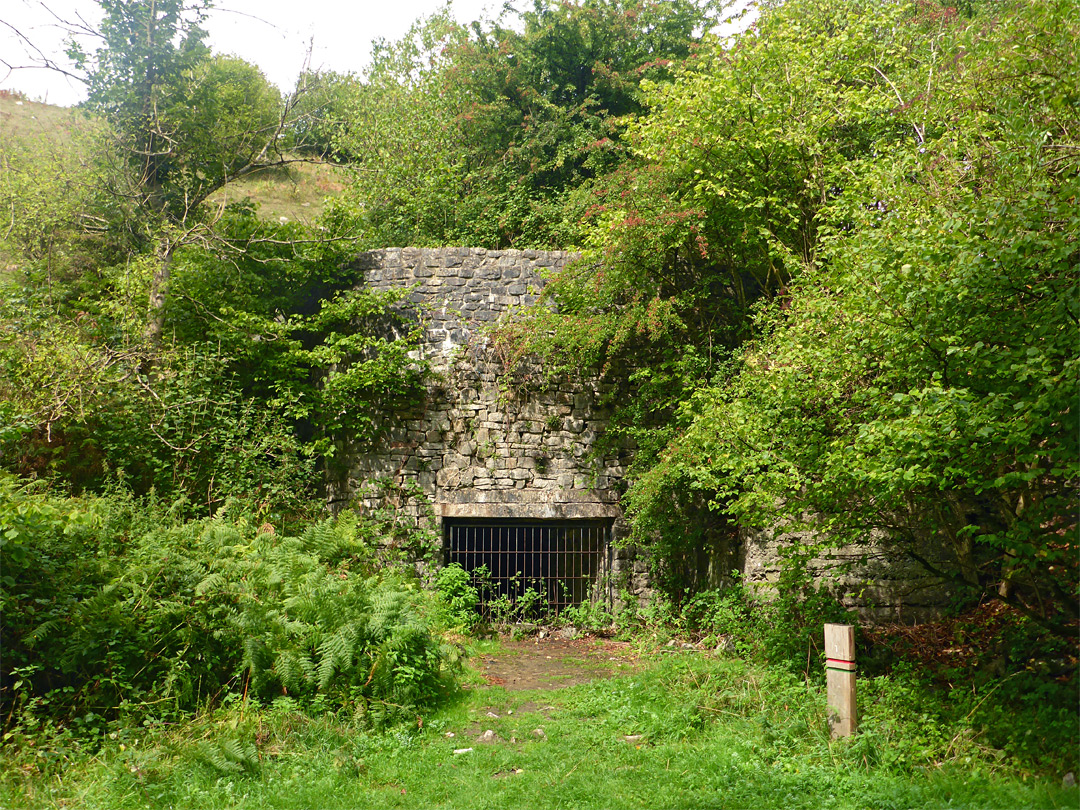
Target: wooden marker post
(840, 678)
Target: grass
(296, 193)
(32, 122)
(703, 732)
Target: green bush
(588, 616)
(115, 609)
(460, 597)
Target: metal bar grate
(542, 566)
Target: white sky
(274, 34)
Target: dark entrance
(547, 564)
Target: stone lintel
(525, 505)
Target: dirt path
(553, 663)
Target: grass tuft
(681, 731)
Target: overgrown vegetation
(714, 732)
(119, 613)
(830, 264)
(838, 293)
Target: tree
(490, 134)
(186, 122)
(409, 150)
(327, 116)
(547, 98)
(722, 206)
(235, 398)
(918, 380)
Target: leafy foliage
(187, 122)
(455, 585)
(271, 360)
(921, 377)
(480, 135)
(113, 608)
(326, 116)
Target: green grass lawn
(703, 733)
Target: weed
(117, 612)
(712, 732)
(460, 597)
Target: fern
(210, 582)
(230, 755)
(174, 612)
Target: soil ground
(553, 663)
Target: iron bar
(551, 564)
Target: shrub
(114, 608)
(460, 597)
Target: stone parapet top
(460, 290)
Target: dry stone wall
(879, 582)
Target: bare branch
(43, 62)
(900, 98)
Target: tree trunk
(159, 284)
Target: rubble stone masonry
(485, 444)
(489, 444)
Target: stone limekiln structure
(514, 478)
(496, 465)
